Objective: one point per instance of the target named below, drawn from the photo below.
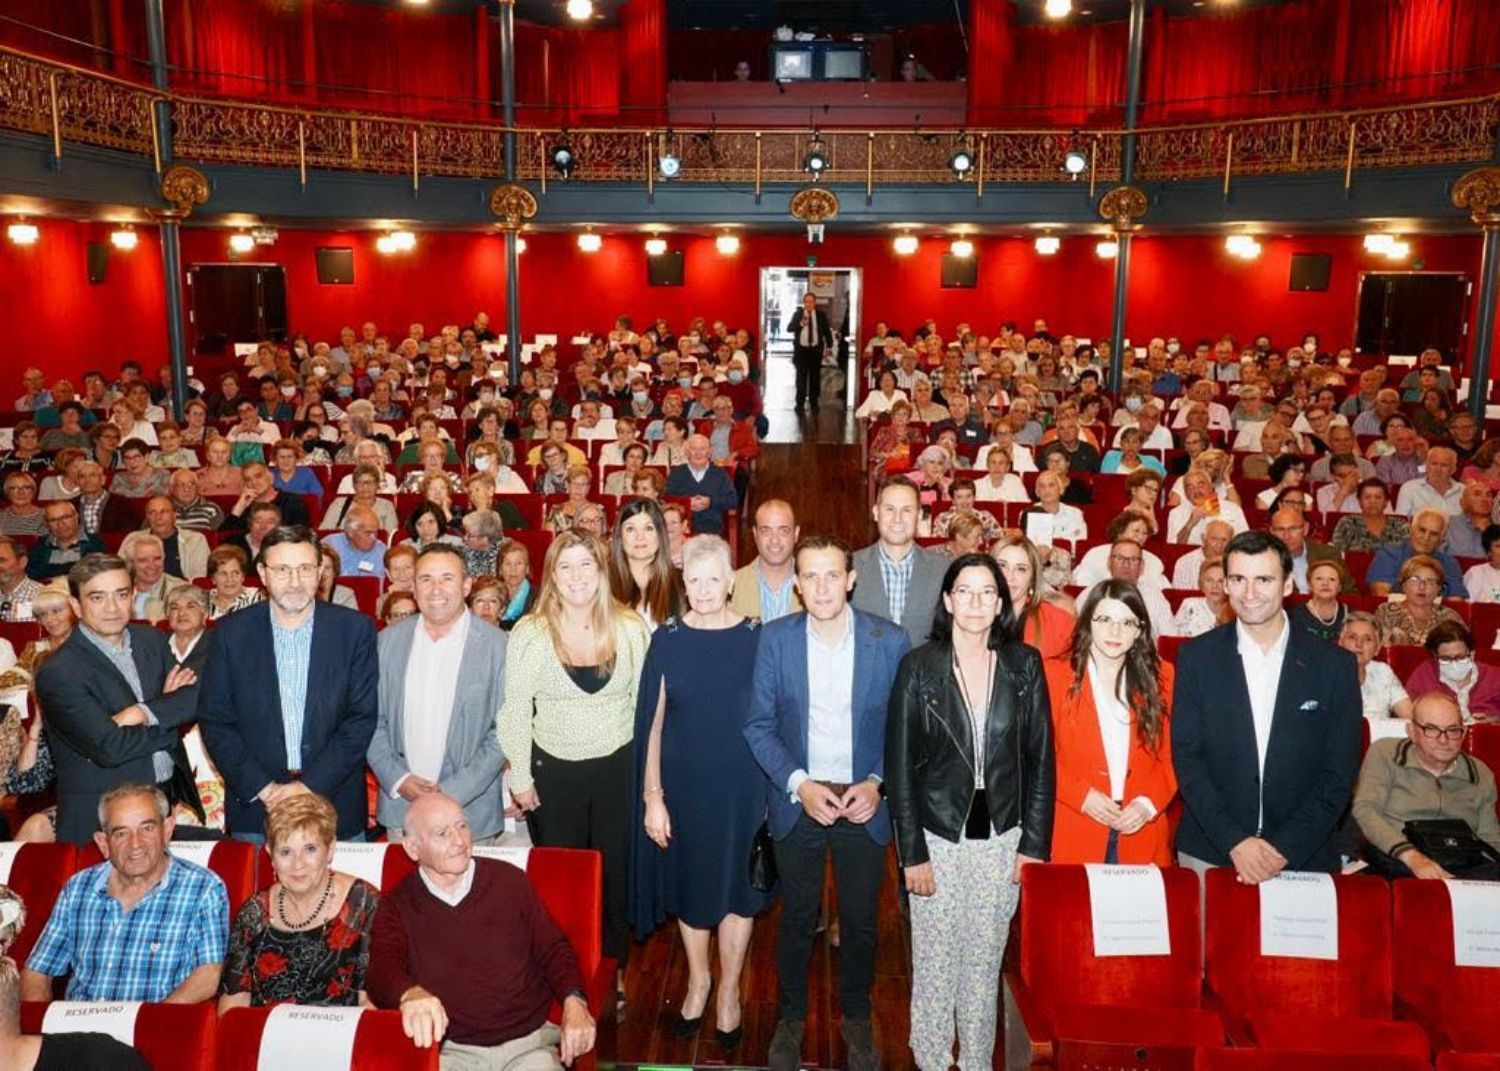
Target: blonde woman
(567, 724)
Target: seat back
(1356, 985)
(233, 861)
(379, 1043)
(1257, 1060)
(1057, 961)
(383, 865)
(1427, 980)
(37, 874)
(172, 1037)
(570, 883)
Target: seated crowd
(561, 646)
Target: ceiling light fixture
(23, 233)
(727, 244)
(816, 161)
(1058, 9)
(403, 241)
(655, 247)
(589, 242)
(580, 10)
(1243, 245)
(1107, 249)
(563, 160)
(905, 244)
(241, 242)
(1379, 243)
(1047, 244)
(124, 238)
(962, 162)
(961, 247)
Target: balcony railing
(72, 105)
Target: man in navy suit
(288, 700)
(816, 725)
(1265, 729)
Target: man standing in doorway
(811, 336)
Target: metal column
(1484, 323)
(1127, 176)
(512, 235)
(168, 227)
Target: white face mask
(288, 392)
(483, 462)
(320, 369)
(1456, 672)
(545, 393)
(1345, 360)
(1173, 347)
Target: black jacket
(929, 775)
(822, 330)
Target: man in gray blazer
(895, 578)
(441, 681)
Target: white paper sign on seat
(1128, 910)
(516, 856)
(1299, 916)
(1476, 923)
(298, 1036)
(365, 861)
(194, 851)
(8, 851)
(116, 1018)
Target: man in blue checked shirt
(141, 926)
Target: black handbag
(1451, 844)
(763, 859)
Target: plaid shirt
(24, 595)
(143, 954)
(897, 577)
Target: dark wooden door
(236, 303)
(1407, 312)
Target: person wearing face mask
(1452, 670)
(741, 391)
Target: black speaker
(336, 264)
(98, 258)
(960, 271)
(665, 270)
(1310, 271)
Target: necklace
(322, 903)
(1337, 608)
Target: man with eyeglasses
(1422, 776)
(17, 590)
(313, 665)
(1127, 562)
(1265, 729)
(64, 545)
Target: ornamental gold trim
(514, 204)
(1123, 206)
(1478, 193)
(814, 204)
(184, 188)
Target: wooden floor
(811, 462)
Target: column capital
(184, 188)
(1478, 192)
(1123, 207)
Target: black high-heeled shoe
(686, 1028)
(729, 1039)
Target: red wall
(1188, 286)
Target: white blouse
(1114, 730)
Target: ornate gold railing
(72, 104)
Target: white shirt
(388, 485)
(1114, 731)
(1262, 679)
(1068, 524)
(1418, 494)
(457, 896)
(1011, 489)
(1380, 691)
(1021, 458)
(1483, 583)
(605, 429)
(1228, 512)
(876, 402)
(1159, 439)
(1218, 416)
(1094, 567)
(1185, 572)
(1158, 610)
(1194, 617)
(431, 681)
(830, 708)
(1328, 500)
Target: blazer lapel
(263, 655)
(863, 651)
(394, 672)
(1236, 689)
(1294, 665)
(469, 687)
(1083, 716)
(796, 657)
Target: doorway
(1403, 313)
(236, 303)
(837, 291)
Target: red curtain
(236, 48)
(711, 55)
(415, 62)
(80, 32)
(567, 77)
(643, 91)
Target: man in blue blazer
(816, 725)
(288, 700)
(1265, 729)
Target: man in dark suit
(288, 700)
(1265, 729)
(816, 726)
(898, 580)
(811, 336)
(114, 700)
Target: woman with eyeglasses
(1409, 621)
(969, 778)
(1110, 712)
(1474, 686)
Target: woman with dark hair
(1110, 712)
(969, 777)
(640, 566)
(428, 524)
(1474, 686)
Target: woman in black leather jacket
(966, 818)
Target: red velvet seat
(233, 861)
(1168, 646)
(1404, 659)
(536, 541)
(1063, 991)
(1483, 742)
(172, 1037)
(37, 875)
(1287, 1003)
(395, 868)
(379, 1043)
(366, 591)
(1468, 1061)
(1259, 1060)
(1459, 1006)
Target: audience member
(707, 487)
(1421, 583)
(1465, 538)
(185, 551)
(901, 579)
(1451, 670)
(1434, 489)
(1322, 614)
(765, 589)
(187, 618)
(1428, 529)
(1373, 527)
(1208, 611)
(1380, 691)
(641, 574)
(1201, 503)
(226, 577)
(150, 582)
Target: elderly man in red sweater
(467, 951)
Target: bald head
(437, 835)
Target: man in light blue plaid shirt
(142, 925)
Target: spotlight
(727, 244)
(589, 242)
(579, 10)
(816, 161)
(962, 162)
(655, 247)
(124, 238)
(1379, 243)
(1058, 9)
(1107, 249)
(403, 241)
(563, 160)
(1076, 162)
(906, 244)
(23, 233)
(1047, 244)
(669, 165)
(241, 243)
(961, 247)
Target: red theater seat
(379, 1043)
(1063, 991)
(1468, 1061)
(1258, 1060)
(394, 869)
(1286, 1003)
(172, 1037)
(1457, 1005)
(37, 875)
(233, 861)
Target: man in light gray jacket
(441, 681)
(895, 578)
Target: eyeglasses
(1440, 732)
(1121, 624)
(286, 572)
(1422, 582)
(983, 596)
(1125, 559)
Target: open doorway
(236, 303)
(837, 291)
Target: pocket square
(1311, 704)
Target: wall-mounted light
(1107, 249)
(905, 244)
(23, 233)
(655, 247)
(1398, 250)
(1058, 9)
(580, 10)
(240, 242)
(1379, 243)
(124, 238)
(520, 244)
(727, 244)
(404, 241)
(961, 247)
(1243, 246)
(1047, 244)
(384, 244)
(1076, 162)
(589, 242)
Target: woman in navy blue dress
(702, 795)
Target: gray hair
(707, 548)
(128, 790)
(1430, 512)
(136, 539)
(484, 522)
(188, 591)
(1363, 617)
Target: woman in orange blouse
(1110, 712)
(1043, 619)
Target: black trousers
(586, 804)
(808, 362)
(858, 868)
